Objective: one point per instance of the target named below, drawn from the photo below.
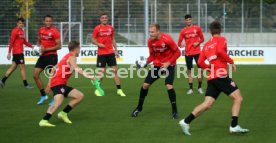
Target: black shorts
(218, 85)
(154, 74)
(189, 61)
(62, 89)
(46, 61)
(18, 58)
(108, 59)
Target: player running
(193, 37)
(163, 53)
(16, 48)
(214, 51)
(49, 40)
(58, 84)
(103, 37)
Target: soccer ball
(37, 50)
(141, 63)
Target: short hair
(73, 45)
(47, 16)
(103, 13)
(157, 26)
(188, 16)
(215, 27)
(20, 19)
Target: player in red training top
(16, 48)
(215, 52)
(103, 37)
(58, 84)
(193, 37)
(49, 40)
(163, 53)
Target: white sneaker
(190, 91)
(238, 129)
(200, 90)
(185, 127)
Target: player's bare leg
(117, 81)
(75, 98)
(7, 74)
(23, 76)
(237, 101)
(143, 93)
(198, 110)
(172, 97)
(190, 80)
(199, 77)
(39, 84)
(51, 110)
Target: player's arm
(222, 51)
(201, 61)
(94, 38)
(57, 45)
(73, 63)
(201, 37)
(180, 39)
(151, 54)
(12, 40)
(115, 45)
(28, 44)
(175, 50)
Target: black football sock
(143, 94)
(199, 84)
(25, 82)
(42, 92)
(189, 118)
(47, 116)
(172, 96)
(67, 109)
(118, 86)
(191, 85)
(234, 121)
(4, 79)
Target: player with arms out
(17, 41)
(163, 53)
(215, 51)
(58, 84)
(103, 37)
(49, 40)
(193, 37)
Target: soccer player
(214, 51)
(103, 37)
(193, 37)
(163, 52)
(58, 84)
(49, 39)
(16, 48)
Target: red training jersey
(48, 38)
(163, 50)
(104, 34)
(191, 35)
(62, 73)
(17, 41)
(215, 51)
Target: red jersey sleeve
(151, 53)
(180, 38)
(12, 39)
(27, 43)
(201, 61)
(95, 33)
(201, 37)
(56, 35)
(176, 52)
(222, 51)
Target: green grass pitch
(107, 119)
